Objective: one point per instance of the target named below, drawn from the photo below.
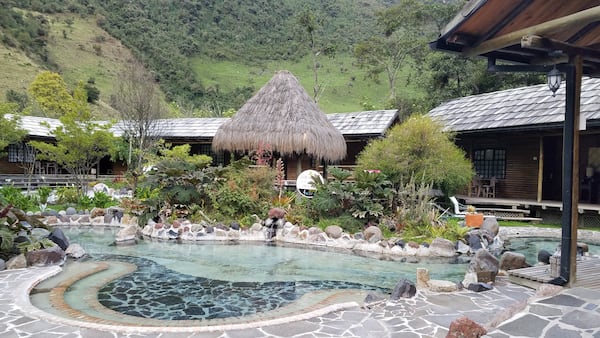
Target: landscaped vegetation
(351, 56)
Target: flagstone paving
(571, 313)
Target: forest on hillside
(165, 35)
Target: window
(21, 152)
(490, 163)
(206, 149)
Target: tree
(10, 130)
(405, 31)
(419, 149)
(51, 94)
(311, 23)
(451, 76)
(139, 104)
(80, 142)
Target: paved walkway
(571, 313)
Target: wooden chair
(489, 190)
(476, 187)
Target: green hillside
(213, 55)
(78, 49)
(345, 87)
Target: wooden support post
(540, 184)
(570, 194)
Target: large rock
(474, 242)
(422, 278)
(44, 257)
(462, 248)
(17, 262)
(490, 224)
(442, 247)
(57, 236)
(334, 231)
(464, 327)
(544, 256)
(276, 213)
(127, 234)
(97, 212)
(436, 285)
(404, 289)
(75, 251)
(485, 265)
(480, 287)
(513, 260)
(373, 234)
(39, 233)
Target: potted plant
(472, 218)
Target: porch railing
(34, 181)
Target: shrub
(419, 147)
(15, 197)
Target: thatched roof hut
(283, 116)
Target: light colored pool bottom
(88, 312)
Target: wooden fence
(34, 181)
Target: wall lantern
(554, 79)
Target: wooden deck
(526, 204)
(588, 274)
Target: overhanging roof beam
(542, 43)
(553, 26)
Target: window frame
(490, 162)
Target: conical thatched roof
(285, 117)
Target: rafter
(580, 18)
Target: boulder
(442, 286)
(470, 278)
(474, 242)
(462, 248)
(17, 262)
(234, 226)
(490, 224)
(75, 251)
(127, 234)
(513, 260)
(57, 236)
(404, 289)
(373, 234)
(70, 211)
(39, 233)
(334, 231)
(464, 327)
(442, 247)
(45, 257)
(480, 287)
(2, 264)
(373, 298)
(544, 256)
(276, 213)
(582, 248)
(485, 265)
(97, 212)
(422, 278)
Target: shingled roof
(365, 123)
(523, 108)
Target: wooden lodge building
(514, 137)
(357, 128)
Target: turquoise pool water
(197, 281)
(200, 281)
